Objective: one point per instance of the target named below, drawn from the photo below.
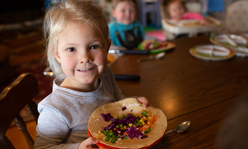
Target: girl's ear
(56, 55)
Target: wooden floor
(16, 137)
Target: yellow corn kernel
(99, 132)
(143, 123)
(148, 122)
(130, 125)
(110, 130)
(125, 127)
(147, 114)
(141, 120)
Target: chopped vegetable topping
(124, 108)
(127, 126)
(107, 117)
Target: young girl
(77, 47)
(177, 12)
(125, 31)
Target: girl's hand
(144, 101)
(87, 144)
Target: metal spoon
(180, 128)
(157, 56)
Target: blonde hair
(62, 14)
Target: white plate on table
(227, 39)
(235, 42)
(211, 52)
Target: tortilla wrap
(158, 128)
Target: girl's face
(82, 53)
(124, 12)
(176, 10)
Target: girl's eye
(71, 49)
(94, 47)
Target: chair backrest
(12, 100)
(236, 17)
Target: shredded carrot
(146, 126)
(142, 127)
(149, 124)
(151, 119)
(155, 118)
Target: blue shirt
(113, 26)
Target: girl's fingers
(144, 101)
(88, 143)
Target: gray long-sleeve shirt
(64, 114)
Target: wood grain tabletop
(186, 88)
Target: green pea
(148, 129)
(107, 138)
(107, 130)
(105, 133)
(117, 126)
(126, 137)
(145, 131)
(111, 133)
(121, 125)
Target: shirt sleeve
(52, 131)
(117, 92)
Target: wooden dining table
(186, 88)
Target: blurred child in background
(125, 30)
(177, 11)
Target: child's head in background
(77, 41)
(124, 11)
(176, 9)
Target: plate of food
(211, 52)
(155, 46)
(229, 40)
(127, 124)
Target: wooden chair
(12, 100)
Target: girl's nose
(128, 13)
(85, 57)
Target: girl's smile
(82, 53)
